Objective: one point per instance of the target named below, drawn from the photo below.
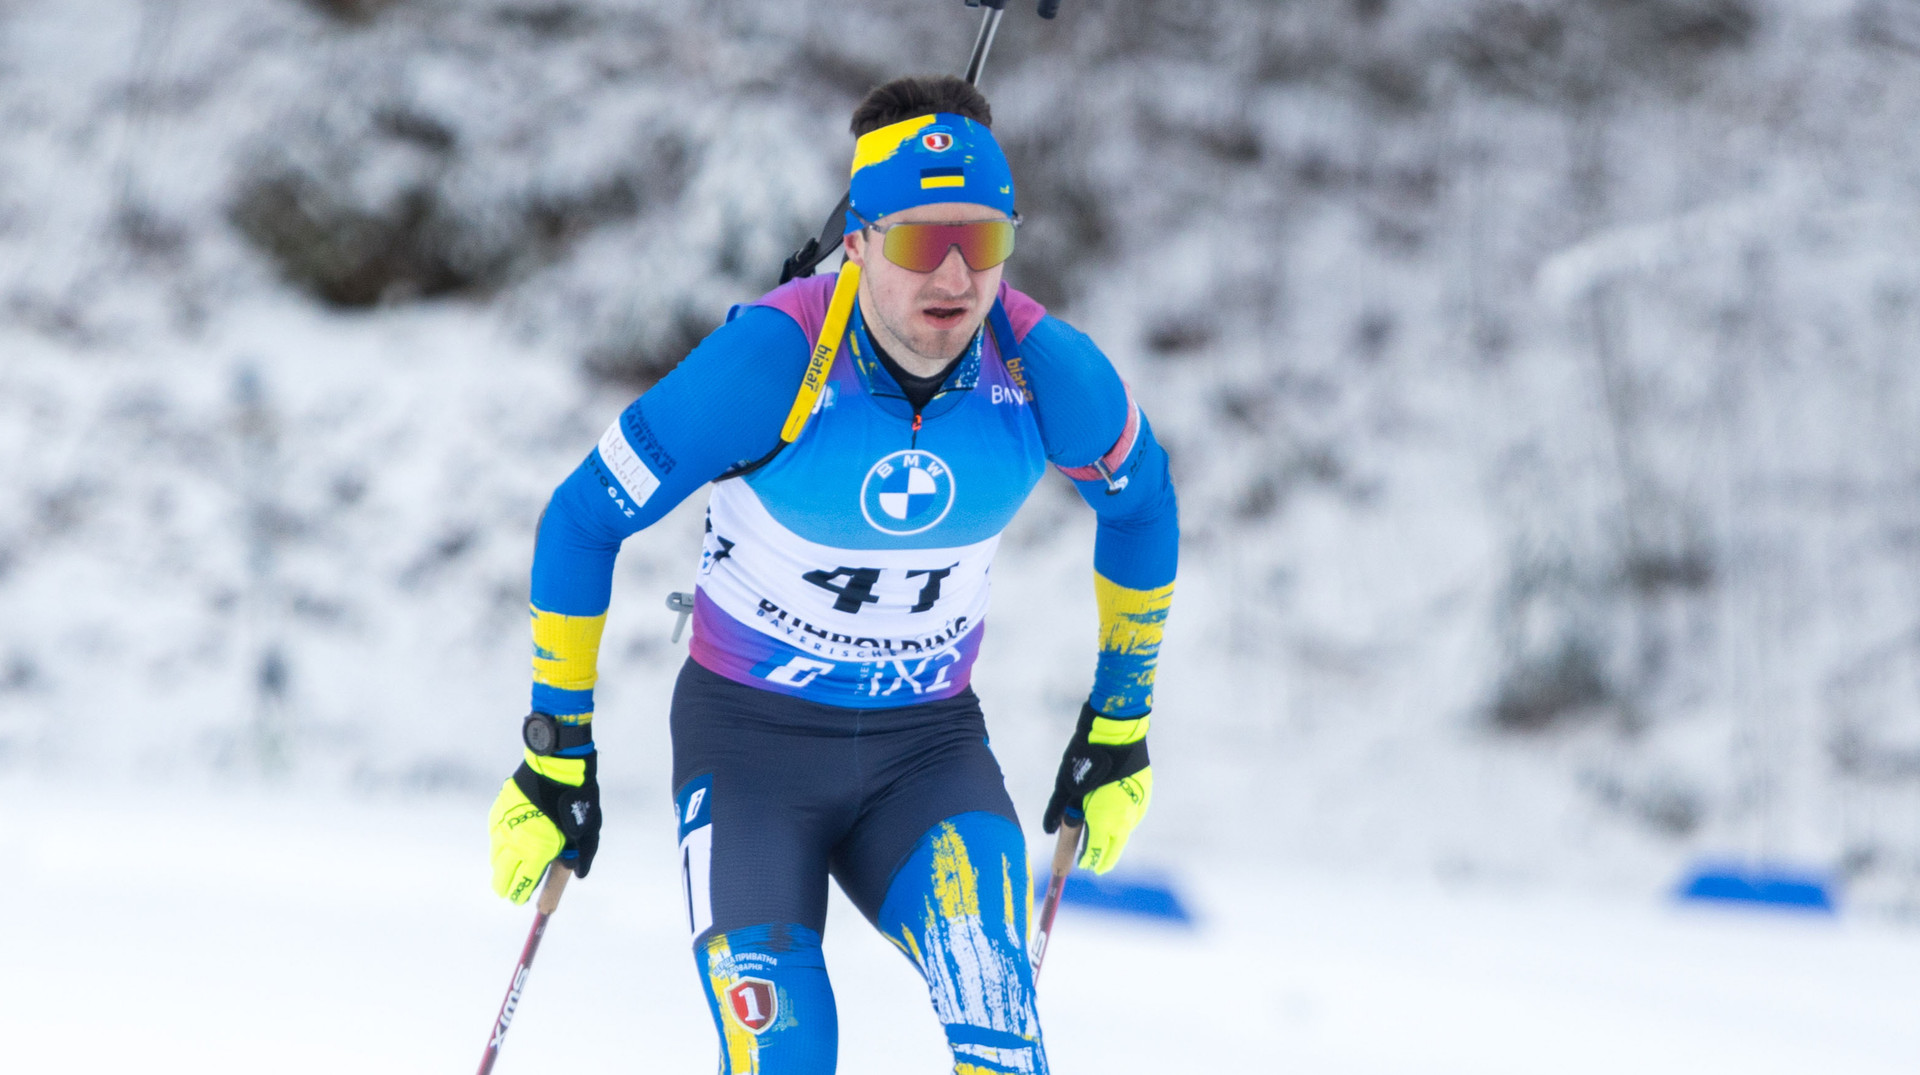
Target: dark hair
(919, 95)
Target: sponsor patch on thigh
(693, 808)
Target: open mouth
(943, 316)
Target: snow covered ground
(1571, 389)
(252, 930)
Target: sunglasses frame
(1015, 220)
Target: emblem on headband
(938, 140)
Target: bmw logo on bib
(907, 492)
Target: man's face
(927, 316)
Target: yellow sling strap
(839, 309)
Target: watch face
(541, 735)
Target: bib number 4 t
(857, 592)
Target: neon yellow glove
(1105, 782)
(548, 807)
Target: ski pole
(1065, 850)
(556, 883)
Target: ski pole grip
(1066, 848)
(557, 875)
(1049, 8)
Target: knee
(767, 990)
(958, 908)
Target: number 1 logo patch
(907, 492)
(755, 1003)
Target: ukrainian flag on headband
(942, 177)
(928, 159)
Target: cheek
(898, 288)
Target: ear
(855, 245)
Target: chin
(945, 343)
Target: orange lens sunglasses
(922, 247)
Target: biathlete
(823, 724)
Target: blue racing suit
(825, 723)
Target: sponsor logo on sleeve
(636, 481)
(634, 423)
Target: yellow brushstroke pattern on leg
(956, 884)
(743, 1049)
(1006, 899)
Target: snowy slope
(1542, 412)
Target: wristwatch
(545, 735)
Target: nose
(953, 276)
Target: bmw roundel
(907, 492)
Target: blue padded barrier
(1142, 895)
(1759, 883)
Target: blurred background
(1539, 379)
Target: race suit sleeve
(1090, 421)
(721, 407)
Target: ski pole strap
(832, 330)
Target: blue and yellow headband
(928, 159)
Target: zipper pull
(916, 421)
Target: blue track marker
(1142, 895)
(1759, 883)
